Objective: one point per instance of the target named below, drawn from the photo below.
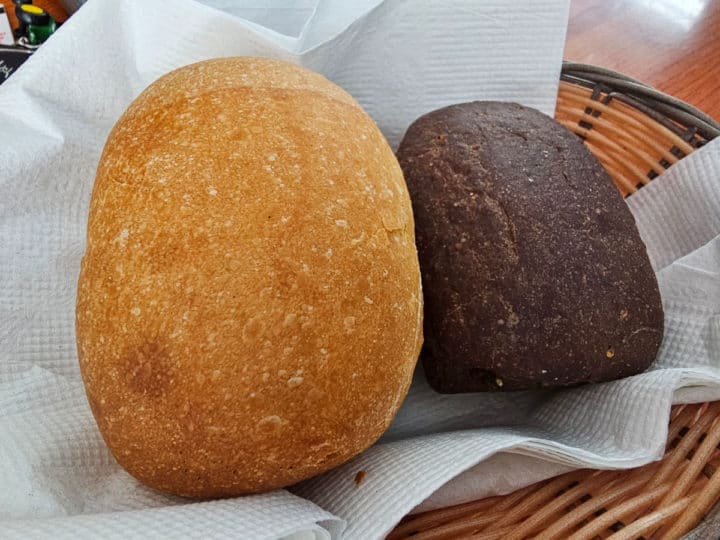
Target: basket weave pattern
(619, 132)
(664, 499)
(637, 133)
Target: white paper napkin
(620, 424)
(400, 58)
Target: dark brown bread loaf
(534, 272)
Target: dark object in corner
(11, 58)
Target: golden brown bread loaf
(249, 306)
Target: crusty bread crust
(249, 305)
(535, 271)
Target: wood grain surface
(673, 45)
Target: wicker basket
(637, 133)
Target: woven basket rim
(667, 110)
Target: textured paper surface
(400, 59)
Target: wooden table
(673, 45)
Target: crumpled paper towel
(400, 58)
